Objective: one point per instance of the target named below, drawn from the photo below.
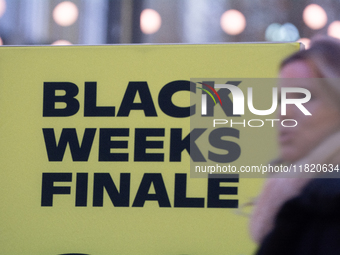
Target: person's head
(322, 60)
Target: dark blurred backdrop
(36, 22)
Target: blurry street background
(91, 22)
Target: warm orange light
(233, 22)
(2, 7)
(61, 42)
(150, 21)
(314, 16)
(305, 41)
(334, 29)
(65, 13)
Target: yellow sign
(94, 155)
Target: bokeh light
(233, 22)
(273, 32)
(314, 16)
(284, 33)
(305, 42)
(2, 7)
(65, 13)
(61, 42)
(334, 29)
(150, 21)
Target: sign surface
(94, 155)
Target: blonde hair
(324, 54)
(324, 58)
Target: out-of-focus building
(27, 22)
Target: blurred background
(40, 22)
